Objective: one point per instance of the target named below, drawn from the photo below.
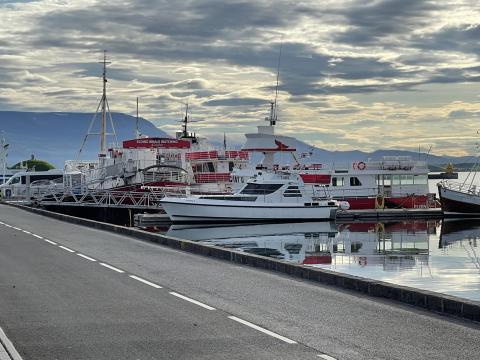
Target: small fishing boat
(459, 199)
(267, 196)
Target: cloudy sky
(354, 74)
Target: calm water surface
(431, 255)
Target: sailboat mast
(103, 129)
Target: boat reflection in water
(424, 254)
(393, 245)
(305, 243)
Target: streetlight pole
(4, 155)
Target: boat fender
(380, 228)
(379, 202)
(344, 205)
(361, 165)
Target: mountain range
(56, 137)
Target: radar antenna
(273, 104)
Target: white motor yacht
(267, 196)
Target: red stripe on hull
(406, 202)
(315, 178)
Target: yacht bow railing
(461, 187)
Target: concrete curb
(427, 300)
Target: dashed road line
(145, 282)
(8, 225)
(265, 331)
(27, 232)
(16, 228)
(86, 257)
(10, 349)
(326, 357)
(112, 268)
(37, 236)
(208, 307)
(50, 242)
(66, 248)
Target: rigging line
(471, 170)
(111, 122)
(92, 122)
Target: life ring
(361, 165)
(379, 202)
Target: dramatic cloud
(353, 73)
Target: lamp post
(4, 155)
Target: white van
(16, 186)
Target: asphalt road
(59, 304)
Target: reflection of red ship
(392, 245)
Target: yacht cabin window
(337, 181)
(292, 191)
(354, 181)
(260, 189)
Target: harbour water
(436, 255)
(441, 256)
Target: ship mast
(105, 112)
(185, 121)
(103, 131)
(137, 131)
(273, 104)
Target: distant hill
(321, 155)
(56, 137)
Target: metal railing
(101, 198)
(461, 187)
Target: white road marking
(8, 225)
(112, 268)
(265, 331)
(145, 282)
(86, 257)
(37, 236)
(16, 228)
(65, 248)
(12, 352)
(208, 307)
(2, 223)
(50, 242)
(27, 232)
(326, 357)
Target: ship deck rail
(461, 187)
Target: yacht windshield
(260, 189)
